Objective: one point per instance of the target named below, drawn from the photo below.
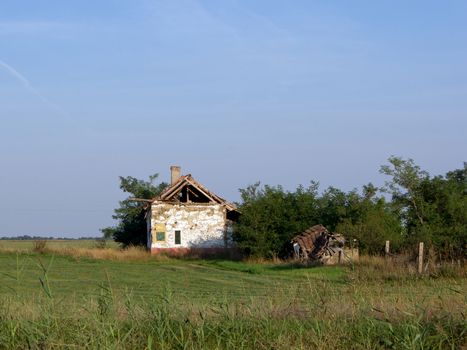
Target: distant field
(53, 301)
(55, 243)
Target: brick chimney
(174, 173)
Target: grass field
(55, 301)
(27, 245)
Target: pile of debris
(318, 244)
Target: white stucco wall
(201, 225)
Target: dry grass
(28, 245)
(403, 267)
(130, 253)
(117, 254)
(104, 251)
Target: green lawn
(198, 280)
(191, 279)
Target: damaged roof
(172, 193)
(317, 242)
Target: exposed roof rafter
(187, 180)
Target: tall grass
(403, 267)
(130, 253)
(108, 320)
(361, 312)
(98, 253)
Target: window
(178, 238)
(160, 236)
(158, 233)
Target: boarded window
(158, 233)
(178, 238)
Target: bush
(39, 246)
(101, 243)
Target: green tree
(333, 207)
(404, 186)
(370, 220)
(131, 228)
(445, 199)
(432, 209)
(271, 216)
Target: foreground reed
(107, 321)
(309, 315)
(377, 303)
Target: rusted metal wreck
(318, 244)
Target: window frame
(179, 232)
(160, 233)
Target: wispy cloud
(16, 74)
(27, 85)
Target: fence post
(386, 248)
(420, 257)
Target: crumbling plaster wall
(201, 225)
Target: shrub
(101, 243)
(40, 246)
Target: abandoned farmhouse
(186, 216)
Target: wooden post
(420, 257)
(340, 256)
(386, 248)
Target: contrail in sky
(25, 82)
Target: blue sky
(233, 91)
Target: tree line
(412, 206)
